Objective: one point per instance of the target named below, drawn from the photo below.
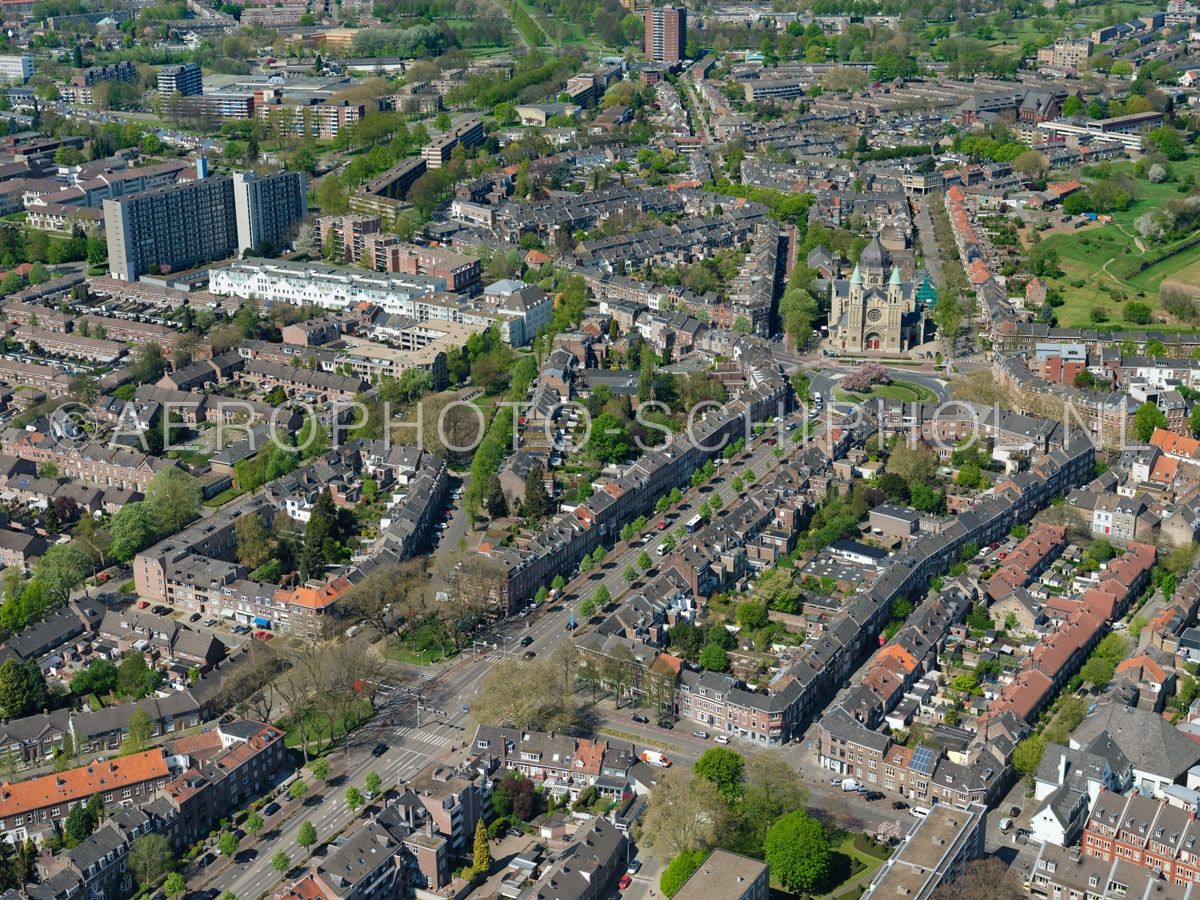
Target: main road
(440, 727)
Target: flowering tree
(864, 376)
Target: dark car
(666, 726)
(194, 617)
(571, 626)
(899, 804)
(873, 795)
(641, 720)
(271, 808)
(526, 641)
(379, 750)
(1014, 811)
(528, 654)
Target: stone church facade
(876, 311)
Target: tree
(62, 568)
(133, 529)
(150, 858)
(1148, 418)
(629, 575)
(1097, 671)
(724, 768)
(1027, 755)
(714, 658)
(752, 614)
(1168, 142)
(22, 688)
(797, 851)
(253, 541)
(1032, 165)
(482, 851)
(354, 798)
(141, 729)
(537, 501)
(85, 388)
(100, 677)
(150, 364)
(280, 862)
(982, 879)
(175, 496)
(494, 500)
(609, 440)
(134, 678)
(80, 823)
(680, 869)
(778, 590)
(320, 768)
(1137, 313)
(174, 885)
(602, 596)
(307, 835)
(297, 789)
(644, 562)
(373, 783)
(685, 812)
(227, 844)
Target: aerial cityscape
(591, 449)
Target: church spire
(856, 277)
(895, 276)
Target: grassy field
(1105, 265)
(904, 391)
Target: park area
(1103, 266)
(903, 391)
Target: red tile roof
(80, 783)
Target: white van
(919, 812)
(661, 550)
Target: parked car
(1014, 811)
(626, 881)
(528, 654)
(634, 865)
(874, 795)
(703, 735)
(210, 623)
(666, 726)
(143, 604)
(836, 782)
(526, 641)
(194, 617)
(271, 808)
(641, 720)
(899, 804)
(512, 832)
(722, 739)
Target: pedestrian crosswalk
(427, 736)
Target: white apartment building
(16, 68)
(329, 287)
(518, 310)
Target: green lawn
(403, 654)
(1103, 266)
(904, 391)
(291, 737)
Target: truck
(656, 758)
(851, 785)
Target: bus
(693, 523)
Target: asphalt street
(447, 693)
